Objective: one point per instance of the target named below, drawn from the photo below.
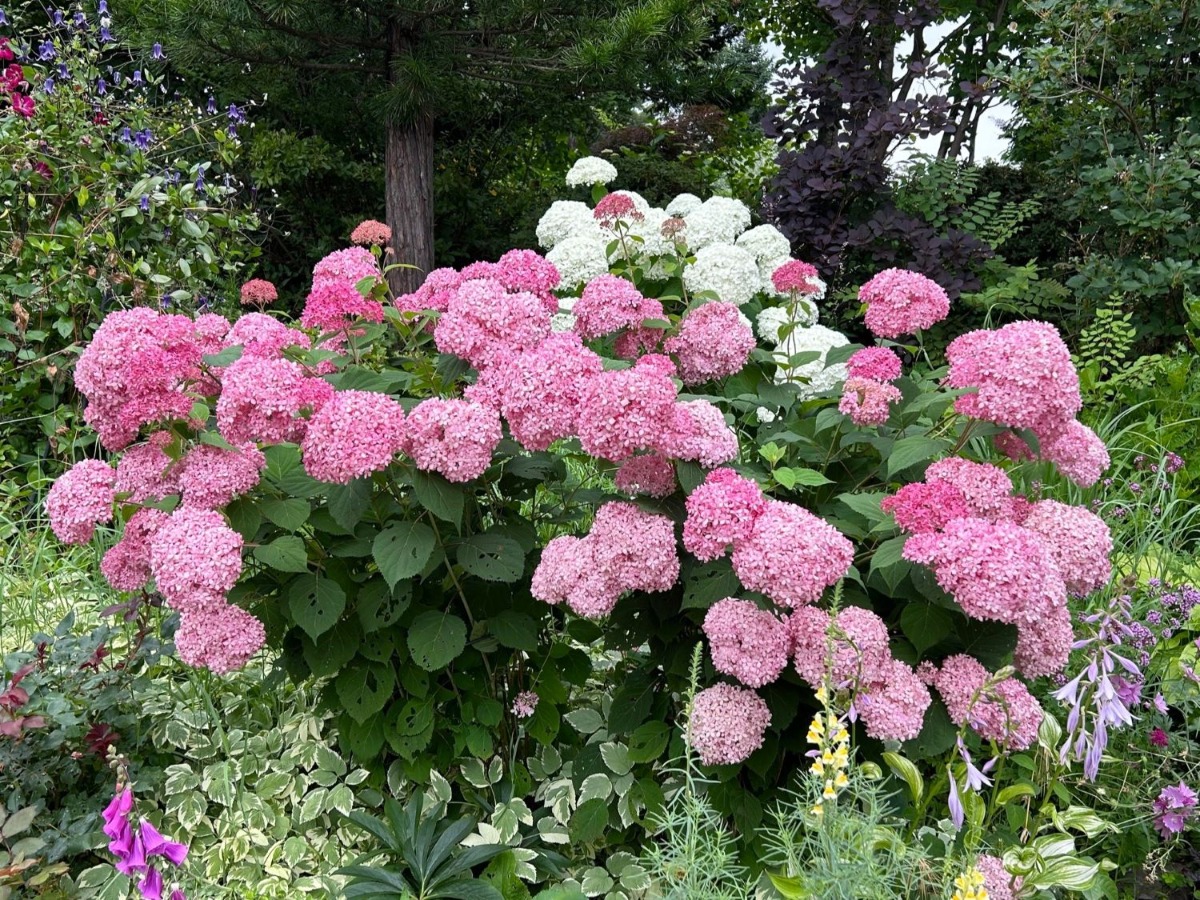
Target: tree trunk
(408, 177)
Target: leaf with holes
(435, 639)
(380, 605)
(514, 629)
(439, 496)
(648, 741)
(492, 557)
(285, 554)
(365, 689)
(402, 550)
(316, 604)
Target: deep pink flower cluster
(145, 472)
(354, 434)
(210, 477)
(81, 499)
(902, 302)
(699, 433)
(484, 323)
(517, 271)
(727, 724)
(876, 363)
(1004, 712)
(371, 233)
(986, 489)
(721, 512)
(126, 565)
(615, 207)
(219, 638)
(867, 401)
(650, 473)
(625, 411)
(608, 304)
(921, 508)
(264, 337)
(713, 340)
(455, 438)
(530, 272)
(336, 305)
(627, 549)
(135, 847)
(746, 642)
(796, 277)
(263, 399)
(258, 292)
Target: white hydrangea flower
(718, 220)
(819, 339)
(773, 318)
(765, 416)
(578, 260)
(653, 245)
(562, 322)
(562, 218)
(683, 204)
(591, 170)
(727, 270)
(766, 243)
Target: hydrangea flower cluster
(590, 170)
(258, 292)
(80, 500)
(867, 401)
(901, 302)
(453, 437)
(627, 549)
(999, 883)
(714, 340)
(371, 233)
(727, 724)
(746, 642)
(1000, 710)
(354, 434)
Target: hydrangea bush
(640, 440)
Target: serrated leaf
(288, 514)
(588, 822)
(648, 741)
(436, 639)
(315, 604)
(492, 557)
(380, 606)
(911, 450)
(284, 554)
(348, 503)
(402, 550)
(439, 496)
(704, 585)
(364, 689)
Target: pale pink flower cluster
(867, 401)
(484, 323)
(727, 724)
(1004, 712)
(986, 489)
(698, 432)
(258, 292)
(145, 472)
(746, 642)
(351, 265)
(264, 337)
(517, 271)
(529, 271)
(796, 277)
(627, 549)
(650, 473)
(999, 883)
(608, 304)
(210, 477)
(354, 434)
(221, 638)
(876, 363)
(81, 499)
(1077, 452)
(720, 513)
(901, 302)
(126, 565)
(714, 340)
(1078, 540)
(455, 438)
(433, 294)
(263, 399)
(371, 233)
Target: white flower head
(561, 219)
(765, 416)
(774, 318)
(646, 243)
(591, 170)
(814, 339)
(727, 270)
(683, 204)
(578, 259)
(718, 220)
(765, 243)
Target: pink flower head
(727, 724)
(796, 277)
(23, 105)
(263, 399)
(791, 555)
(985, 488)
(349, 266)
(1006, 712)
(1022, 376)
(893, 708)
(370, 233)
(336, 305)
(866, 401)
(145, 472)
(81, 499)
(264, 337)
(1043, 647)
(1173, 807)
(720, 512)
(922, 508)
(453, 437)
(485, 324)
(649, 474)
(481, 270)
(857, 637)
(1159, 738)
(529, 271)
(714, 340)
(354, 434)
(698, 432)
(210, 477)
(1013, 446)
(615, 207)
(258, 292)
(999, 884)
(1078, 540)
(902, 302)
(219, 637)
(746, 642)
(635, 341)
(609, 303)
(876, 363)
(157, 845)
(434, 293)
(624, 411)
(1077, 452)
(525, 704)
(126, 565)
(115, 815)
(196, 558)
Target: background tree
(418, 64)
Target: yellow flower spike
(818, 767)
(822, 695)
(840, 780)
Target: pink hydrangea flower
(484, 323)
(746, 642)
(698, 432)
(999, 884)
(893, 708)
(210, 477)
(145, 472)
(857, 637)
(262, 400)
(81, 499)
(258, 292)
(566, 572)
(336, 305)
(902, 302)
(649, 474)
(263, 336)
(371, 233)
(453, 437)
(354, 434)
(1078, 453)
(876, 363)
(921, 508)
(1022, 376)
(796, 277)
(525, 704)
(1013, 446)
(349, 266)
(720, 512)
(624, 411)
(615, 207)
(1078, 540)
(1006, 713)
(727, 724)
(434, 293)
(126, 565)
(609, 303)
(791, 555)
(196, 558)
(529, 271)
(866, 401)
(985, 488)
(220, 638)
(714, 340)
(480, 271)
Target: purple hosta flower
(1172, 809)
(977, 780)
(144, 203)
(46, 51)
(957, 813)
(156, 52)
(525, 704)
(1098, 698)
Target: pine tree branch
(322, 38)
